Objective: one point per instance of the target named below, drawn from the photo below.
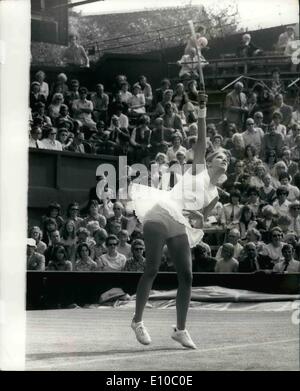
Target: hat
(31, 242)
(114, 293)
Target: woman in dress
(171, 217)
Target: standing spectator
(227, 263)
(253, 135)
(285, 110)
(82, 109)
(236, 105)
(100, 102)
(75, 54)
(36, 234)
(289, 264)
(59, 260)
(285, 38)
(112, 260)
(84, 262)
(247, 49)
(137, 262)
(146, 90)
(35, 261)
(35, 138)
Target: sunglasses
(276, 236)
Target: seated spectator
(118, 139)
(253, 200)
(115, 105)
(146, 90)
(267, 222)
(64, 119)
(74, 54)
(272, 141)
(79, 145)
(40, 77)
(73, 213)
(93, 214)
(229, 130)
(36, 96)
(247, 49)
(54, 212)
(125, 93)
(160, 107)
(238, 149)
(137, 262)
(55, 106)
(112, 260)
(63, 138)
(159, 93)
(179, 96)
(252, 261)
(276, 85)
(236, 105)
(50, 142)
(250, 160)
(54, 241)
(99, 248)
(123, 119)
(247, 221)
(203, 262)
(234, 177)
(289, 264)
(83, 236)
(296, 114)
(158, 169)
(117, 85)
(259, 174)
(124, 247)
(35, 261)
(227, 263)
(159, 135)
(100, 102)
(84, 262)
(285, 38)
(253, 235)
(294, 131)
(217, 143)
(267, 193)
(172, 120)
(284, 223)
(192, 92)
(294, 192)
(189, 65)
(140, 141)
(295, 151)
(294, 214)
(49, 225)
(292, 167)
(176, 146)
(258, 121)
(99, 138)
(253, 135)
(59, 260)
(192, 142)
(68, 239)
(39, 116)
(281, 204)
(273, 250)
(276, 120)
(118, 210)
(136, 102)
(82, 109)
(36, 233)
(233, 237)
(285, 110)
(35, 138)
(232, 211)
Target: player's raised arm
(200, 148)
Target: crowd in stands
(259, 205)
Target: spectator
(55, 106)
(192, 142)
(238, 149)
(272, 141)
(54, 241)
(253, 135)
(284, 223)
(247, 221)
(267, 222)
(281, 205)
(296, 114)
(160, 107)
(39, 116)
(49, 225)
(118, 139)
(40, 77)
(93, 214)
(278, 169)
(232, 211)
(294, 214)
(35, 95)
(84, 262)
(36, 234)
(259, 174)
(235, 176)
(285, 38)
(123, 119)
(137, 262)
(165, 85)
(79, 145)
(100, 102)
(118, 210)
(189, 65)
(203, 262)
(82, 109)
(73, 213)
(289, 264)
(227, 263)
(258, 121)
(146, 89)
(250, 160)
(59, 260)
(254, 236)
(252, 261)
(253, 200)
(75, 55)
(192, 92)
(35, 138)
(253, 106)
(233, 237)
(64, 120)
(73, 93)
(277, 118)
(236, 105)
(172, 120)
(99, 139)
(294, 192)
(99, 248)
(292, 167)
(124, 247)
(112, 260)
(35, 261)
(50, 142)
(68, 239)
(125, 93)
(285, 110)
(290, 139)
(176, 146)
(247, 49)
(54, 212)
(295, 151)
(276, 85)
(159, 135)
(273, 250)
(83, 236)
(267, 192)
(63, 138)
(136, 102)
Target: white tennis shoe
(141, 332)
(183, 337)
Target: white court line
(160, 353)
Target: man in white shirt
(50, 141)
(289, 264)
(34, 138)
(253, 135)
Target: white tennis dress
(191, 192)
